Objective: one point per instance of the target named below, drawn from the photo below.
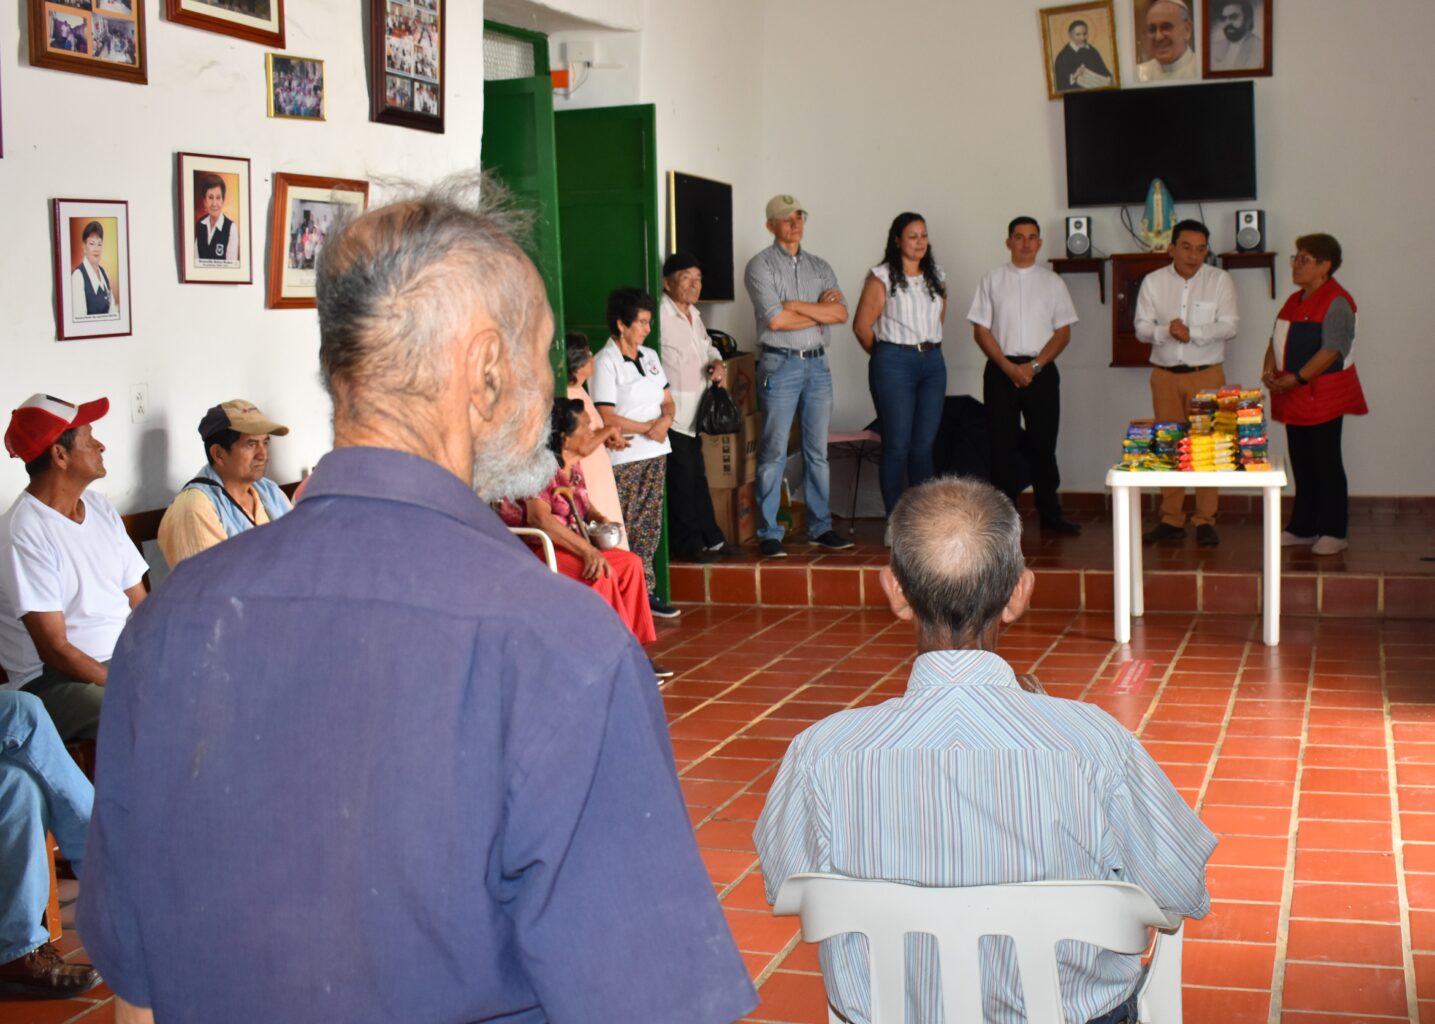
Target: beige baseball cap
(239, 416)
(780, 207)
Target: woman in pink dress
(597, 470)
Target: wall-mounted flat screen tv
(1199, 139)
(700, 222)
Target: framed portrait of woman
(92, 268)
(306, 209)
(406, 62)
(215, 219)
(105, 38)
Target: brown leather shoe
(43, 974)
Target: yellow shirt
(190, 525)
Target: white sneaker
(1290, 540)
(1329, 546)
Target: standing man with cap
(230, 494)
(1021, 319)
(69, 575)
(1186, 312)
(690, 362)
(796, 301)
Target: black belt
(1019, 359)
(804, 353)
(1186, 369)
(921, 346)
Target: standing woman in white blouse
(899, 323)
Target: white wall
(194, 345)
(943, 110)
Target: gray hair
(956, 551)
(398, 284)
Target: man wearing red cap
(69, 575)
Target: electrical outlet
(578, 53)
(139, 403)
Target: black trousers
(691, 524)
(1322, 503)
(1039, 405)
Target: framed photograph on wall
(406, 61)
(1165, 41)
(306, 208)
(1238, 43)
(215, 219)
(294, 87)
(92, 268)
(259, 21)
(105, 38)
(1079, 48)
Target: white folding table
(1126, 488)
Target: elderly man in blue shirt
(352, 754)
(1026, 787)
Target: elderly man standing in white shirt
(691, 362)
(1186, 312)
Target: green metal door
(608, 222)
(518, 147)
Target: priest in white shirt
(1186, 312)
(1169, 42)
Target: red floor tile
(1315, 834)
(1226, 1005)
(1342, 866)
(1335, 902)
(1355, 990)
(1345, 942)
(1228, 964)
(1237, 922)
(789, 998)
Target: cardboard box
(730, 460)
(722, 460)
(740, 378)
(735, 509)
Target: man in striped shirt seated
(971, 779)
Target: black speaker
(1078, 236)
(1250, 231)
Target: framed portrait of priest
(1165, 41)
(1238, 43)
(1079, 48)
(215, 219)
(306, 209)
(92, 268)
(259, 21)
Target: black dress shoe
(726, 550)
(771, 549)
(661, 671)
(1065, 526)
(1162, 533)
(661, 609)
(1206, 536)
(43, 974)
(702, 555)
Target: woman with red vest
(1311, 376)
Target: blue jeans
(785, 383)
(41, 789)
(908, 389)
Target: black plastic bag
(717, 412)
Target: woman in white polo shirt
(899, 323)
(631, 392)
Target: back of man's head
(956, 553)
(399, 285)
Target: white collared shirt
(1153, 70)
(1206, 304)
(634, 388)
(211, 228)
(687, 352)
(1022, 307)
(912, 314)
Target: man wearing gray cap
(796, 301)
(230, 494)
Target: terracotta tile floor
(1314, 761)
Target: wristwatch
(1035, 367)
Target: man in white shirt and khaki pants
(1186, 312)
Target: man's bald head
(956, 553)
(399, 285)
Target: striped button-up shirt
(775, 276)
(969, 780)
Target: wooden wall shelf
(1083, 265)
(1251, 261)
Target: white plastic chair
(1037, 915)
(548, 553)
